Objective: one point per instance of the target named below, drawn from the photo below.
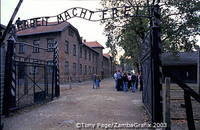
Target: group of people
(127, 81)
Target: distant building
(108, 66)
(183, 65)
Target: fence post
(156, 68)
(189, 112)
(198, 71)
(9, 98)
(166, 103)
(56, 65)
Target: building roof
(181, 58)
(51, 28)
(94, 44)
(2, 26)
(106, 55)
(90, 48)
(44, 29)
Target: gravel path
(81, 104)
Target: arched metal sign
(79, 12)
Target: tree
(180, 26)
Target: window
(89, 55)
(74, 50)
(66, 67)
(81, 51)
(93, 70)
(50, 66)
(85, 53)
(66, 47)
(89, 70)
(34, 69)
(93, 58)
(21, 48)
(81, 69)
(36, 44)
(50, 44)
(71, 32)
(85, 69)
(74, 68)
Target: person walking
(133, 79)
(141, 82)
(136, 81)
(115, 78)
(119, 80)
(129, 80)
(125, 82)
(94, 80)
(98, 80)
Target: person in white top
(115, 78)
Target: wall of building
(100, 60)
(186, 73)
(72, 65)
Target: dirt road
(81, 106)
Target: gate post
(56, 67)
(9, 98)
(156, 51)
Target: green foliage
(180, 24)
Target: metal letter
(75, 14)
(25, 24)
(103, 14)
(114, 13)
(32, 22)
(67, 15)
(46, 20)
(60, 18)
(126, 11)
(83, 12)
(37, 22)
(91, 13)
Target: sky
(91, 31)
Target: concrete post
(166, 103)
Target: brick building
(77, 59)
(108, 66)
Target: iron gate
(146, 66)
(150, 61)
(151, 68)
(29, 79)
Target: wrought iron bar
(189, 112)
(10, 22)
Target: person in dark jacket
(141, 82)
(133, 79)
(125, 82)
(119, 81)
(129, 80)
(136, 82)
